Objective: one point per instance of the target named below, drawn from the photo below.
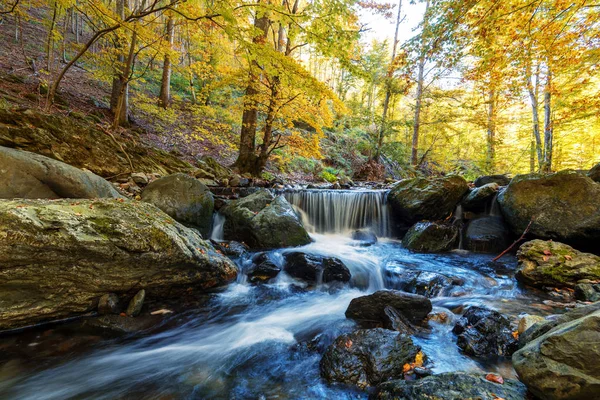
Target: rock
(315, 269)
(479, 197)
(587, 292)
(554, 264)
(594, 173)
(483, 333)
(231, 248)
(59, 257)
(263, 269)
(500, 180)
(371, 308)
(367, 357)
(417, 199)
(563, 206)
(487, 235)
(183, 198)
(108, 304)
(220, 172)
(140, 178)
(135, 305)
(117, 325)
(527, 322)
(424, 283)
(27, 175)
(365, 236)
(345, 181)
(263, 221)
(451, 386)
(431, 237)
(563, 363)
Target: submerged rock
(365, 236)
(431, 237)
(563, 363)
(27, 175)
(184, 198)
(371, 308)
(263, 269)
(367, 357)
(547, 263)
(482, 333)
(59, 257)
(487, 235)
(314, 269)
(418, 199)
(263, 221)
(424, 283)
(451, 386)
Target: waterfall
(341, 211)
(217, 231)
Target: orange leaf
(348, 343)
(494, 378)
(515, 334)
(546, 258)
(547, 252)
(568, 257)
(406, 368)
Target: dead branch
(514, 243)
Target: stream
(264, 341)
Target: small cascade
(495, 208)
(341, 211)
(458, 221)
(217, 231)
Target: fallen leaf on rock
(547, 252)
(406, 367)
(494, 378)
(568, 257)
(348, 343)
(162, 311)
(546, 258)
(123, 314)
(419, 359)
(515, 334)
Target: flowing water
(264, 341)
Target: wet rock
(312, 268)
(451, 386)
(231, 248)
(483, 333)
(563, 363)
(563, 206)
(263, 269)
(65, 254)
(527, 321)
(367, 357)
(365, 236)
(108, 304)
(424, 283)
(27, 175)
(431, 237)
(263, 221)
(135, 305)
(547, 263)
(183, 198)
(487, 235)
(371, 308)
(117, 325)
(417, 199)
(479, 197)
(587, 292)
(594, 173)
(500, 180)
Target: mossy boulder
(418, 199)
(263, 221)
(27, 175)
(480, 197)
(184, 198)
(431, 237)
(563, 207)
(594, 173)
(59, 257)
(547, 263)
(563, 363)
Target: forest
(307, 88)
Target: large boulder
(479, 197)
(483, 333)
(315, 269)
(371, 308)
(262, 269)
(57, 258)
(594, 173)
(184, 198)
(500, 180)
(487, 235)
(547, 263)
(367, 357)
(563, 363)
(263, 221)
(562, 206)
(418, 199)
(451, 386)
(431, 237)
(27, 175)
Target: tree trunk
(122, 110)
(421, 72)
(165, 87)
(533, 97)
(189, 59)
(491, 133)
(548, 126)
(50, 41)
(118, 78)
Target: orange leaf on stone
(546, 258)
(494, 378)
(547, 252)
(348, 343)
(568, 257)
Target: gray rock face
(563, 206)
(587, 292)
(418, 199)
(263, 221)
(451, 386)
(27, 175)
(563, 363)
(135, 305)
(371, 308)
(501, 180)
(487, 235)
(59, 257)
(547, 263)
(431, 237)
(367, 357)
(184, 198)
